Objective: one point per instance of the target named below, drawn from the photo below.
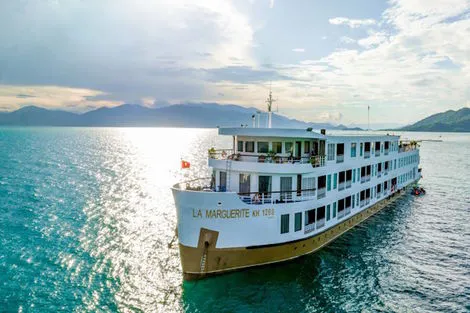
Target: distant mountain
(449, 121)
(204, 115)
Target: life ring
(224, 154)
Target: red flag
(185, 164)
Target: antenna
(270, 101)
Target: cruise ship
(278, 194)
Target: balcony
(377, 153)
(320, 223)
(386, 152)
(363, 202)
(341, 214)
(347, 210)
(348, 184)
(321, 193)
(340, 158)
(366, 154)
(275, 197)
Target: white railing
(348, 184)
(321, 193)
(386, 151)
(379, 174)
(377, 153)
(340, 158)
(367, 201)
(320, 223)
(366, 154)
(340, 214)
(347, 210)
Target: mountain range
(449, 121)
(203, 115)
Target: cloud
(128, 50)
(374, 39)
(352, 23)
(347, 40)
(271, 4)
(53, 97)
(298, 50)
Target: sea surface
(87, 224)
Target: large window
(307, 147)
(361, 148)
(353, 150)
(320, 213)
(277, 147)
(310, 217)
(286, 188)
(335, 180)
(264, 185)
(284, 223)
(250, 146)
(308, 185)
(222, 181)
(298, 221)
(328, 183)
(244, 183)
(263, 147)
(240, 146)
(334, 209)
(331, 151)
(289, 147)
(328, 212)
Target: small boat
(418, 191)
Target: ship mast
(270, 101)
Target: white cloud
(352, 23)
(52, 97)
(298, 50)
(271, 4)
(374, 39)
(347, 40)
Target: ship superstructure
(277, 194)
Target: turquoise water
(86, 216)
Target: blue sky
(325, 60)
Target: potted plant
(211, 152)
(271, 155)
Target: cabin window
(334, 209)
(354, 175)
(240, 146)
(307, 147)
(328, 212)
(286, 188)
(328, 182)
(361, 148)
(244, 184)
(250, 146)
(263, 147)
(284, 223)
(320, 213)
(353, 201)
(222, 181)
(277, 147)
(331, 151)
(310, 217)
(289, 147)
(353, 150)
(298, 221)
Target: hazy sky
(326, 60)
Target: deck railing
(228, 154)
(272, 197)
(348, 183)
(386, 151)
(377, 153)
(366, 154)
(340, 158)
(309, 228)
